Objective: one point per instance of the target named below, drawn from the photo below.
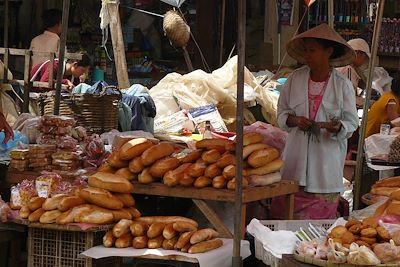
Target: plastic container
(290, 225)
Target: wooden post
(330, 13)
(27, 83)
(6, 22)
(118, 47)
(61, 56)
(222, 36)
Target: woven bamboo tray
(98, 113)
(324, 263)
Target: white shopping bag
(175, 3)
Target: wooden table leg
(213, 218)
(243, 221)
(289, 203)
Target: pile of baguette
(386, 186)
(212, 163)
(108, 199)
(167, 232)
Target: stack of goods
(358, 242)
(386, 186)
(40, 157)
(19, 159)
(394, 152)
(107, 199)
(167, 232)
(212, 163)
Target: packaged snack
(95, 147)
(46, 183)
(15, 199)
(65, 155)
(19, 154)
(64, 187)
(59, 121)
(66, 142)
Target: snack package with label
(22, 193)
(19, 154)
(64, 187)
(65, 155)
(46, 183)
(94, 148)
(66, 142)
(4, 211)
(44, 149)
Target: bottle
(207, 131)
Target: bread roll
(192, 156)
(49, 216)
(140, 242)
(231, 185)
(136, 165)
(230, 147)
(126, 199)
(110, 182)
(206, 246)
(229, 172)
(247, 150)
(262, 157)
(172, 178)
(185, 249)
(212, 170)
(155, 229)
(115, 161)
(35, 203)
(393, 208)
(100, 197)
(121, 214)
(155, 242)
(225, 160)
(69, 202)
(186, 180)
(134, 212)
(145, 177)
(383, 191)
(24, 212)
(184, 227)
(219, 182)
(389, 182)
(211, 156)
(122, 227)
(169, 244)
(271, 167)
(169, 231)
(395, 195)
(208, 144)
(134, 148)
(202, 181)
(106, 167)
(183, 239)
(126, 173)
(165, 219)
(69, 215)
(124, 241)
(96, 216)
(197, 169)
(139, 228)
(252, 138)
(52, 202)
(156, 152)
(161, 166)
(35, 216)
(108, 239)
(267, 179)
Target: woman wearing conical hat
(317, 108)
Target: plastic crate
(290, 225)
(56, 248)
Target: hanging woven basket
(176, 29)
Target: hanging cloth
(105, 20)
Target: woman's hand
(332, 126)
(299, 121)
(6, 128)
(70, 85)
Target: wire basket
(98, 113)
(176, 28)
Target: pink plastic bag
(273, 136)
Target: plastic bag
(4, 211)
(273, 136)
(362, 256)
(94, 148)
(18, 139)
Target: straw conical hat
(295, 47)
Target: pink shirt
(316, 92)
(46, 42)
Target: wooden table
(289, 261)
(282, 188)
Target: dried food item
(394, 151)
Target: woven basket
(98, 113)
(176, 29)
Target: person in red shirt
(73, 69)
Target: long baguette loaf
(121, 214)
(134, 148)
(165, 219)
(252, 138)
(70, 202)
(127, 199)
(271, 167)
(111, 182)
(52, 202)
(247, 150)
(156, 152)
(35, 203)
(209, 144)
(69, 215)
(383, 191)
(96, 216)
(172, 178)
(203, 235)
(100, 197)
(108, 239)
(262, 157)
(115, 161)
(161, 166)
(49, 216)
(122, 227)
(388, 182)
(35, 216)
(126, 173)
(206, 246)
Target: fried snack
(369, 240)
(368, 232)
(348, 238)
(355, 228)
(351, 223)
(382, 233)
(396, 238)
(338, 231)
(371, 221)
(362, 243)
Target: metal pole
(6, 21)
(330, 13)
(221, 42)
(241, 41)
(61, 55)
(360, 149)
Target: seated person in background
(49, 40)
(72, 69)
(385, 109)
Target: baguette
(219, 182)
(165, 219)
(155, 229)
(208, 144)
(205, 246)
(121, 228)
(225, 160)
(229, 172)
(183, 227)
(263, 180)
(197, 169)
(395, 195)
(156, 152)
(50, 216)
(145, 177)
(211, 156)
(183, 240)
(110, 182)
(186, 180)
(69, 215)
(172, 178)
(231, 185)
(161, 166)
(169, 244)
(169, 231)
(212, 170)
(247, 150)
(271, 167)
(35, 216)
(106, 167)
(252, 138)
(185, 249)
(139, 228)
(230, 147)
(115, 161)
(262, 157)
(134, 148)
(24, 212)
(203, 235)
(124, 241)
(155, 242)
(69, 202)
(140, 242)
(35, 203)
(136, 165)
(192, 156)
(52, 202)
(134, 212)
(108, 239)
(388, 182)
(95, 215)
(100, 197)
(202, 181)
(121, 214)
(126, 173)
(126, 199)
(383, 191)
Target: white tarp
(175, 3)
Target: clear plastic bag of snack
(46, 139)
(66, 142)
(22, 193)
(15, 198)
(42, 148)
(64, 187)
(59, 121)
(19, 153)
(46, 183)
(79, 133)
(66, 155)
(4, 211)
(95, 147)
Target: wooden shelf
(249, 194)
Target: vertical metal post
(360, 149)
(6, 21)
(241, 41)
(61, 55)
